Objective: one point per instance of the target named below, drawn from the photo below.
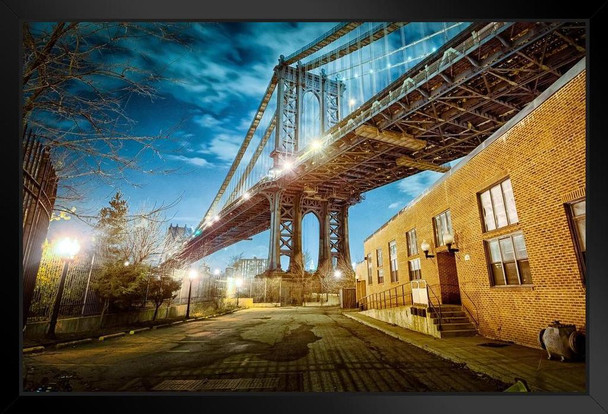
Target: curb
(115, 335)
(33, 349)
(79, 341)
(132, 331)
(118, 334)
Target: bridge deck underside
(454, 111)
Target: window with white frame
(412, 242)
(392, 253)
(414, 268)
(578, 222)
(442, 223)
(369, 269)
(508, 260)
(498, 206)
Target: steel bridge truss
(293, 84)
(450, 102)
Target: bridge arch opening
(311, 232)
(310, 121)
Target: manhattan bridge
(367, 104)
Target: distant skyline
(212, 90)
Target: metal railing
(436, 309)
(433, 300)
(39, 192)
(397, 296)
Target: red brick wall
(544, 156)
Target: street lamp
(425, 247)
(238, 283)
(448, 239)
(191, 275)
(66, 249)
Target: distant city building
(174, 238)
(250, 268)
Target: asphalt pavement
(293, 349)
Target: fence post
(86, 290)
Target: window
(412, 242)
(577, 216)
(392, 253)
(498, 206)
(380, 275)
(414, 266)
(442, 224)
(508, 259)
(379, 257)
(369, 269)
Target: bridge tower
(288, 207)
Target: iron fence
(39, 192)
(78, 297)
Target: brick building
(515, 207)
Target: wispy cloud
(206, 120)
(395, 205)
(224, 146)
(196, 161)
(413, 186)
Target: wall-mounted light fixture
(425, 248)
(448, 239)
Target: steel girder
(454, 100)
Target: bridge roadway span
(436, 112)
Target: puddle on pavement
(293, 346)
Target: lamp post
(191, 275)
(238, 283)
(66, 248)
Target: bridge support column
(274, 251)
(334, 249)
(324, 266)
(344, 261)
(296, 266)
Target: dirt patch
(293, 346)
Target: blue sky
(213, 87)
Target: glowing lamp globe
(67, 248)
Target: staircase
(454, 322)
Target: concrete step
(451, 319)
(462, 332)
(450, 314)
(449, 306)
(456, 326)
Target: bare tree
(234, 259)
(144, 236)
(77, 79)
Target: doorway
(448, 278)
